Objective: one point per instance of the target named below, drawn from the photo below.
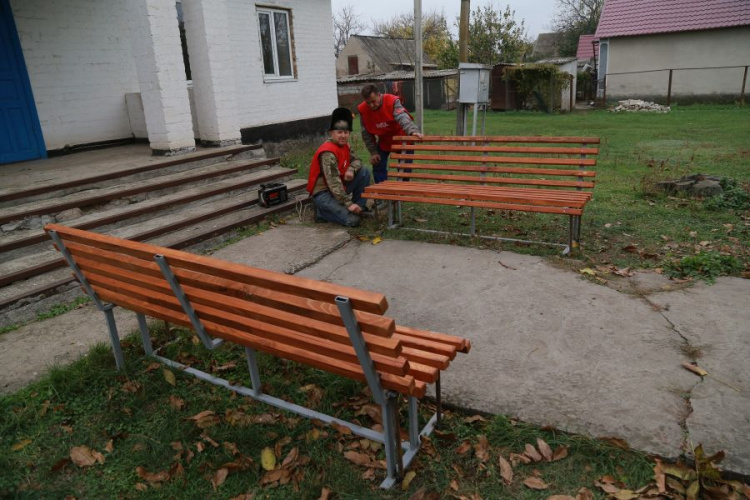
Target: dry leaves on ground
(83, 456)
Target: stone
(707, 188)
(71, 213)
(11, 226)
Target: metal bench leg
(145, 334)
(577, 241)
(394, 464)
(473, 223)
(252, 366)
(113, 337)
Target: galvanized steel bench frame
(404, 152)
(396, 461)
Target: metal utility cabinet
(474, 88)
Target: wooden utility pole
(463, 56)
(419, 60)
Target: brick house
(704, 42)
(84, 73)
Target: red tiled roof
(644, 17)
(586, 48)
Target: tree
(495, 36)
(436, 38)
(575, 18)
(346, 23)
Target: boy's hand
(354, 208)
(375, 159)
(349, 175)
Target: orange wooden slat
(427, 345)
(478, 204)
(367, 301)
(534, 139)
(490, 180)
(462, 344)
(497, 149)
(424, 373)
(586, 162)
(494, 170)
(414, 355)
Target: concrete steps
(177, 204)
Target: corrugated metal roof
(390, 53)
(397, 75)
(586, 48)
(645, 17)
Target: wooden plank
(490, 180)
(387, 362)
(414, 355)
(462, 344)
(497, 149)
(147, 273)
(467, 203)
(494, 170)
(424, 373)
(533, 139)
(426, 345)
(585, 162)
(318, 290)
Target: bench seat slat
(305, 287)
(148, 273)
(463, 345)
(492, 180)
(494, 170)
(427, 345)
(584, 162)
(496, 149)
(477, 204)
(533, 139)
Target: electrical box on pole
(474, 88)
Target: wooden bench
(334, 328)
(532, 174)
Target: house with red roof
(702, 46)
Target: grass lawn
(88, 431)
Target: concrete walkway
(548, 346)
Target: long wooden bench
(334, 328)
(533, 174)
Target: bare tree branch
(346, 23)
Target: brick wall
(78, 55)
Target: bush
(706, 266)
(734, 197)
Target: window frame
(276, 76)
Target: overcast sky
(536, 14)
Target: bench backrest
(542, 162)
(290, 317)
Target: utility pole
(463, 56)
(418, 64)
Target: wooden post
(572, 102)
(669, 89)
(744, 81)
(418, 82)
(604, 94)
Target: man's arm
(368, 138)
(402, 117)
(330, 169)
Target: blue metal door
(20, 133)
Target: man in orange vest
(382, 117)
(337, 178)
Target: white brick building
(90, 72)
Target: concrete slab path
(548, 346)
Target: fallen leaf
(357, 458)
(544, 449)
(152, 477)
(475, 418)
(141, 486)
(407, 480)
(268, 459)
(324, 494)
(482, 449)
(204, 419)
(291, 458)
(560, 497)
(376, 240)
(176, 403)
(463, 448)
(693, 490)
(506, 471)
(219, 477)
(626, 495)
(169, 377)
(454, 485)
(423, 494)
(535, 483)
(694, 368)
(130, 386)
(585, 494)
(110, 446)
(152, 367)
(82, 456)
(630, 248)
(20, 445)
(560, 453)
(620, 443)
(531, 452)
(418, 219)
(588, 270)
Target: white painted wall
(691, 49)
(313, 92)
(78, 56)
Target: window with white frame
(275, 43)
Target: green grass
(58, 309)
(90, 403)
(628, 223)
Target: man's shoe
(367, 214)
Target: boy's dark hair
(368, 90)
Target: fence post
(669, 89)
(744, 81)
(604, 94)
(572, 102)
